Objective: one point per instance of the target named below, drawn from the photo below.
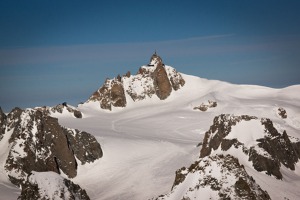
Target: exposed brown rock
(128, 74)
(110, 94)
(39, 143)
(78, 143)
(117, 93)
(162, 84)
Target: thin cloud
(95, 52)
(117, 52)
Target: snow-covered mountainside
(204, 138)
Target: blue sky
(61, 51)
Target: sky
(55, 51)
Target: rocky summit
(153, 79)
(36, 142)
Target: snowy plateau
(157, 146)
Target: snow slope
(147, 141)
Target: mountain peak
(152, 79)
(155, 60)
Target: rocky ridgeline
(153, 79)
(215, 177)
(268, 154)
(36, 142)
(219, 174)
(50, 185)
(60, 108)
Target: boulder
(204, 107)
(282, 113)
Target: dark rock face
(79, 140)
(205, 176)
(156, 78)
(271, 151)
(110, 94)
(49, 185)
(162, 83)
(118, 98)
(219, 130)
(39, 143)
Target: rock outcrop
(110, 94)
(161, 82)
(153, 79)
(204, 107)
(215, 177)
(267, 153)
(282, 113)
(50, 185)
(38, 143)
(84, 146)
(60, 108)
